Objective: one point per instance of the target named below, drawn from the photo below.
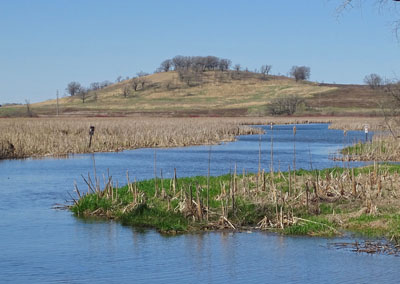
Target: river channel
(41, 245)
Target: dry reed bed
(384, 146)
(381, 148)
(24, 137)
(357, 123)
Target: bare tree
(190, 77)
(389, 5)
(224, 64)
(237, 67)
(125, 91)
(95, 86)
(166, 65)
(178, 62)
(135, 84)
(83, 94)
(265, 69)
(300, 72)
(142, 82)
(285, 105)
(374, 81)
(119, 79)
(29, 111)
(73, 88)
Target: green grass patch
(314, 226)
(159, 206)
(164, 221)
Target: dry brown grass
(357, 123)
(23, 137)
(165, 92)
(385, 144)
(60, 136)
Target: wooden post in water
(91, 133)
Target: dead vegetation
(23, 137)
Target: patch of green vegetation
(380, 225)
(159, 206)
(90, 203)
(314, 226)
(163, 220)
(326, 208)
(369, 225)
(362, 148)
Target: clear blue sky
(45, 44)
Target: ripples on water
(41, 245)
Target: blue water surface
(41, 245)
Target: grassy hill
(211, 93)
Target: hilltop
(208, 93)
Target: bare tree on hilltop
(166, 65)
(83, 94)
(224, 64)
(265, 69)
(374, 81)
(300, 73)
(73, 88)
(135, 83)
(125, 91)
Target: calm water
(40, 245)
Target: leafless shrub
(190, 77)
(300, 72)
(265, 69)
(374, 81)
(125, 91)
(73, 88)
(284, 105)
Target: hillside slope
(212, 93)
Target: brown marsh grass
(38, 137)
(22, 138)
(384, 146)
